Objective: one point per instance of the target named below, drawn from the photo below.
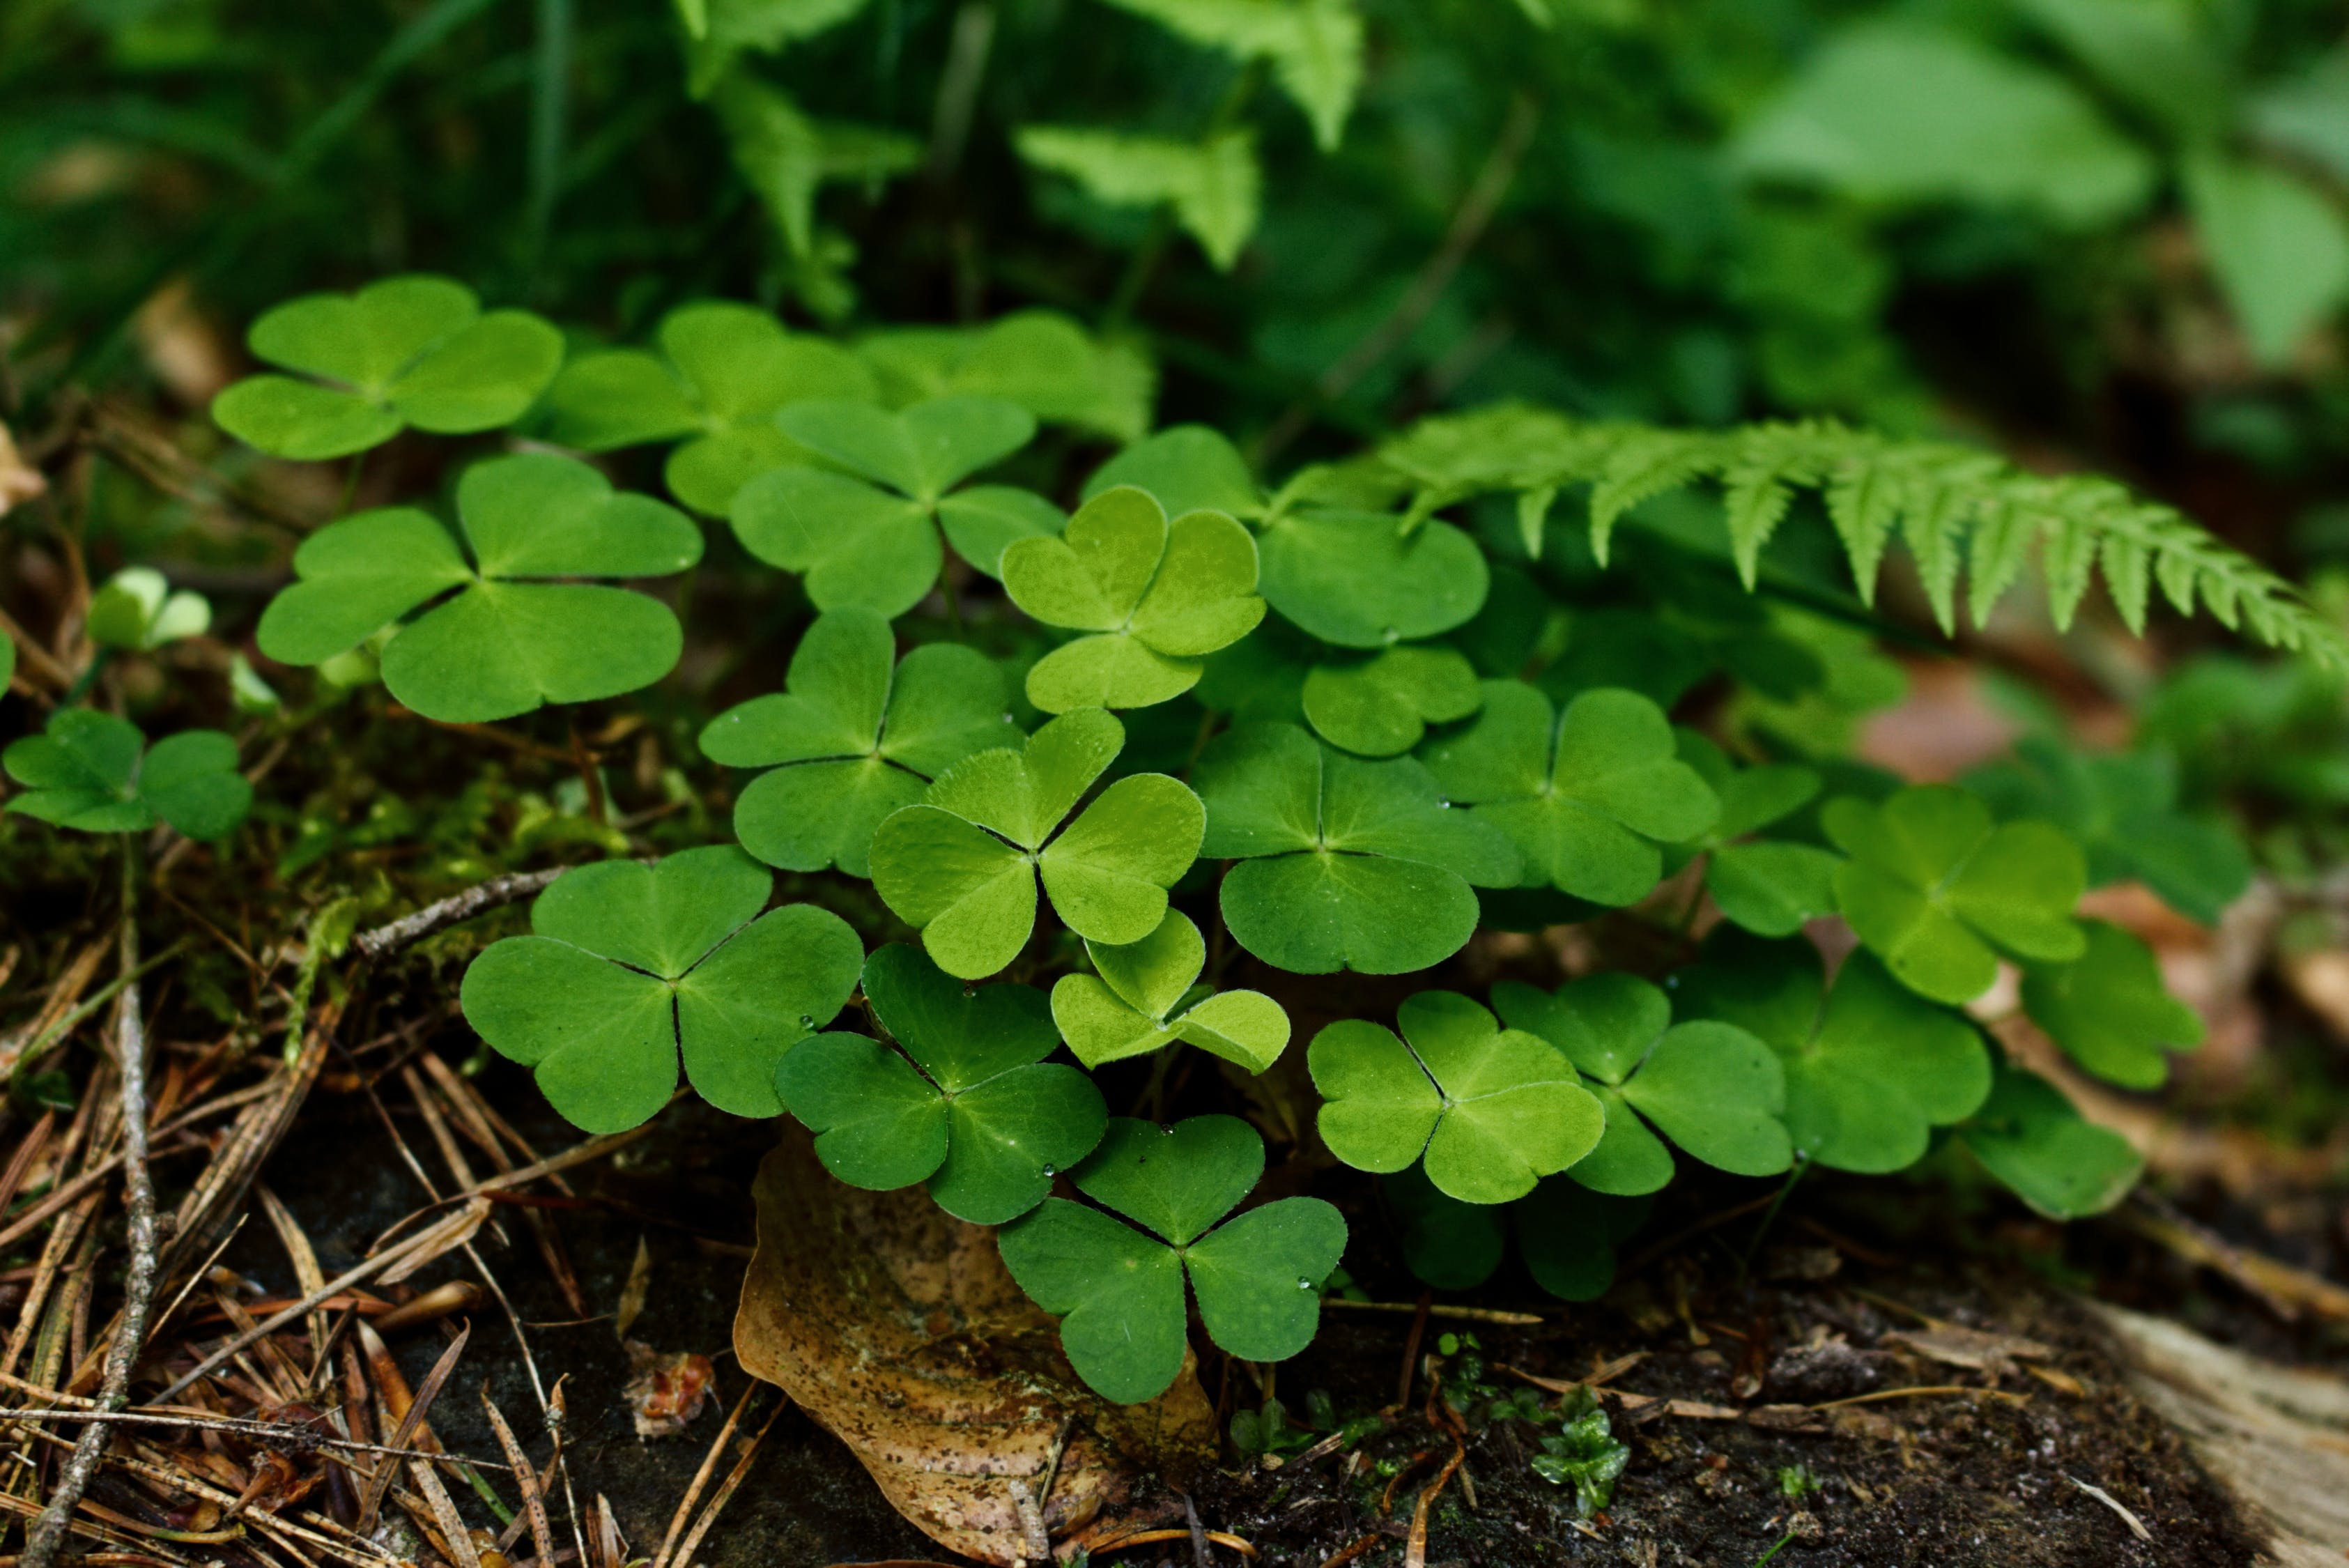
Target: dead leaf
(632, 1293)
(898, 1328)
(1952, 1346)
(665, 1393)
(20, 481)
(1787, 1418)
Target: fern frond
(1960, 510)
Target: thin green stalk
(550, 110)
(96, 1000)
(1780, 1546)
(1769, 1215)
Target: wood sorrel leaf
(963, 865)
(853, 737)
(1357, 580)
(1871, 1067)
(1379, 706)
(1492, 1110)
(413, 350)
(2029, 1137)
(1568, 1234)
(1709, 1086)
(1120, 1291)
(2109, 1011)
(631, 966)
(1938, 891)
(508, 641)
(1132, 1004)
(972, 1107)
(1586, 795)
(94, 773)
(1189, 468)
(1345, 864)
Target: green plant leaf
(137, 609)
(2109, 1010)
(1315, 47)
(1154, 596)
(2123, 810)
(852, 737)
(2279, 245)
(868, 538)
(720, 372)
(1871, 1068)
(1344, 864)
(95, 774)
(1213, 187)
(412, 350)
(1585, 795)
(508, 641)
(1939, 892)
(1355, 580)
(963, 865)
(1447, 1244)
(1134, 1003)
(1492, 1110)
(1379, 706)
(1039, 359)
(2029, 1137)
(1709, 1086)
(1119, 1291)
(631, 966)
(1189, 468)
(972, 1107)
(1567, 1235)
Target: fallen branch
(1450, 1313)
(381, 943)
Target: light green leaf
(1939, 892)
(1586, 795)
(1118, 1294)
(86, 771)
(858, 546)
(1039, 359)
(1492, 1110)
(1870, 1067)
(1132, 1004)
(412, 350)
(786, 155)
(921, 452)
(1189, 468)
(2029, 1137)
(1345, 864)
(2278, 244)
(631, 966)
(1315, 47)
(1382, 705)
(852, 738)
(2110, 1010)
(137, 609)
(507, 642)
(1214, 187)
(1355, 580)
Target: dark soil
(1954, 1481)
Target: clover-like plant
(854, 735)
(631, 966)
(1189, 468)
(96, 773)
(1154, 598)
(1344, 864)
(868, 536)
(1491, 1110)
(1871, 1067)
(967, 1103)
(963, 865)
(137, 609)
(2108, 1011)
(1382, 705)
(1711, 1087)
(1586, 795)
(1769, 886)
(1940, 892)
(1356, 579)
(1145, 995)
(414, 350)
(1118, 1290)
(1565, 1233)
(722, 372)
(2035, 1141)
(503, 634)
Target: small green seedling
(136, 610)
(722, 372)
(1871, 1067)
(970, 1106)
(963, 864)
(854, 735)
(1144, 995)
(1796, 1482)
(631, 966)
(1154, 598)
(1118, 1290)
(2108, 1011)
(1711, 1087)
(1491, 1110)
(414, 350)
(1584, 1453)
(499, 636)
(1586, 795)
(96, 773)
(1344, 864)
(868, 536)
(1940, 892)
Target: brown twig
(726, 1489)
(1410, 1349)
(47, 1538)
(381, 943)
(677, 1523)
